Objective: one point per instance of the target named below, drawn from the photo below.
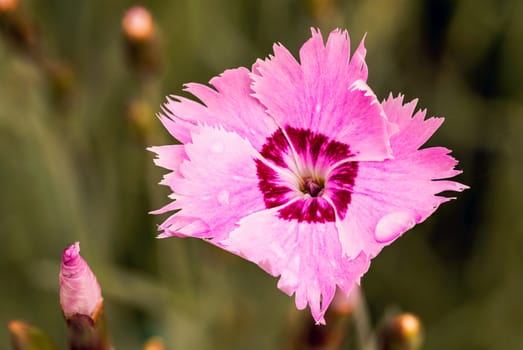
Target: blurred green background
(75, 118)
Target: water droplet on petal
(392, 225)
(223, 197)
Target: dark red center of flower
(306, 174)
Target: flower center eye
(314, 187)
(302, 179)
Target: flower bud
(324, 11)
(17, 29)
(80, 292)
(61, 81)
(8, 6)
(137, 23)
(82, 303)
(27, 337)
(141, 118)
(141, 42)
(401, 332)
(154, 343)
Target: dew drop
(223, 197)
(393, 225)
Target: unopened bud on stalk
(80, 292)
(141, 40)
(82, 303)
(324, 11)
(17, 29)
(401, 332)
(7, 6)
(61, 79)
(140, 116)
(27, 337)
(137, 23)
(154, 343)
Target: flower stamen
(313, 187)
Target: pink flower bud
(80, 292)
(401, 332)
(138, 24)
(7, 6)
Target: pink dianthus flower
(297, 167)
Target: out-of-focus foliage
(75, 121)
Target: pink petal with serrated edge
(230, 105)
(169, 156)
(183, 226)
(307, 257)
(217, 185)
(391, 196)
(325, 93)
(415, 129)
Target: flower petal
(415, 129)
(169, 156)
(326, 94)
(230, 106)
(183, 226)
(308, 257)
(217, 185)
(391, 196)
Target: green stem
(365, 335)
